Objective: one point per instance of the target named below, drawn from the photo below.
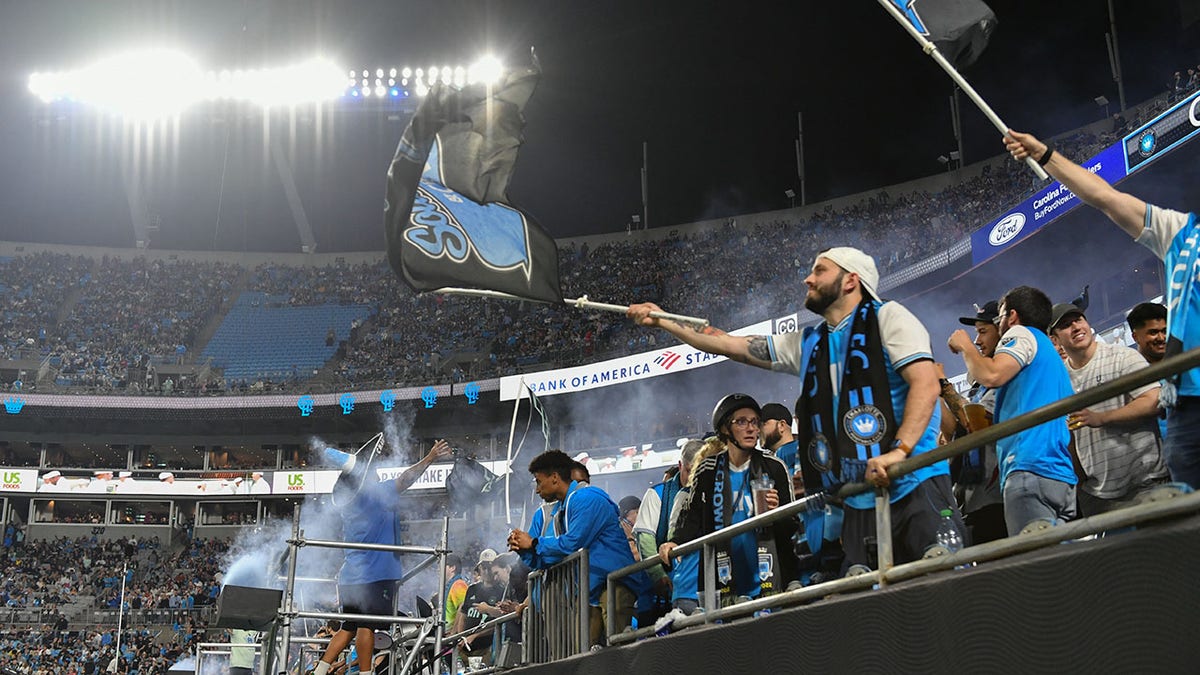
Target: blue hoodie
(593, 522)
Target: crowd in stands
(131, 315)
(50, 574)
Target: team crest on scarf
(865, 424)
(818, 452)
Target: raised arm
(1127, 211)
(752, 350)
(440, 450)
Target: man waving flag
(448, 220)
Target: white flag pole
(578, 303)
(512, 432)
(932, 50)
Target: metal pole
(1114, 54)
(645, 185)
(800, 158)
(710, 578)
(584, 605)
(581, 302)
(121, 606)
(956, 123)
(883, 530)
(932, 51)
(285, 642)
(441, 617)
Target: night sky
(713, 87)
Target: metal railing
(429, 631)
(886, 572)
(557, 620)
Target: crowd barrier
(556, 625)
(886, 573)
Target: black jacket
(696, 517)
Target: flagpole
(932, 50)
(581, 302)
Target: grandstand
(211, 324)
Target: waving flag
(959, 28)
(448, 220)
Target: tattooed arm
(753, 350)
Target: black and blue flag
(448, 218)
(959, 28)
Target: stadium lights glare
(152, 83)
(487, 70)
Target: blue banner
(1153, 139)
(1043, 207)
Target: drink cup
(760, 487)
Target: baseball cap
(125, 474)
(776, 411)
(102, 472)
(629, 503)
(986, 314)
(165, 475)
(854, 260)
(1061, 311)
(51, 475)
(486, 556)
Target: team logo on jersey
(864, 425)
(764, 565)
(1008, 342)
(818, 452)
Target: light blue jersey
(1174, 238)
(1042, 380)
(743, 550)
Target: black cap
(986, 314)
(629, 503)
(1061, 311)
(776, 411)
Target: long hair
(713, 445)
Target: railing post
(710, 580)
(883, 531)
(610, 608)
(585, 632)
(441, 617)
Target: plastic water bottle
(947, 533)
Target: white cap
(52, 475)
(580, 457)
(165, 475)
(854, 260)
(101, 472)
(125, 474)
(487, 555)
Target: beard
(821, 297)
(769, 440)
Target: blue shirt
(1042, 380)
(369, 518)
(743, 549)
(787, 454)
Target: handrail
(1111, 520)
(1159, 371)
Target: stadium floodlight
(407, 73)
(487, 70)
(119, 84)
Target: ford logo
(1005, 230)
